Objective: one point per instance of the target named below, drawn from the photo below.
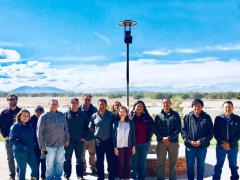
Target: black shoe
(94, 172)
(11, 178)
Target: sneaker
(11, 178)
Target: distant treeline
(140, 95)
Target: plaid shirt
(167, 125)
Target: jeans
(162, 150)
(10, 158)
(78, 148)
(40, 161)
(139, 161)
(232, 159)
(102, 148)
(54, 161)
(23, 158)
(199, 154)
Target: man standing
(197, 131)
(78, 126)
(167, 128)
(89, 145)
(52, 137)
(227, 134)
(102, 125)
(39, 110)
(7, 118)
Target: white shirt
(122, 134)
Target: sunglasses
(12, 99)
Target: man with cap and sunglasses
(77, 126)
(7, 118)
(197, 131)
(39, 110)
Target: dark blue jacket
(92, 109)
(227, 130)
(77, 125)
(197, 128)
(7, 118)
(34, 120)
(22, 136)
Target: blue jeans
(78, 148)
(199, 154)
(23, 158)
(54, 162)
(232, 159)
(139, 161)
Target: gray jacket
(52, 129)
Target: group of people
(124, 138)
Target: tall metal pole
(127, 75)
(128, 40)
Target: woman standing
(22, 138)
(116, 107)
(143, 123)
(124, 143)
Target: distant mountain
(37, 89)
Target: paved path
(210, 162)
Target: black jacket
(34, 120)
(92, 109)
(227, 130)
(167, 125)
(7, 119)
(77, 125)
(131, 136)
(197, 128)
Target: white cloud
(157, 52)
(201, 74)
(219, 47)
(9, 55)
(228, 47)
(103, 37)
(187, 50)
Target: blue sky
(77, 45)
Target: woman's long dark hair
(145, 111)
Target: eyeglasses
(12, 99)
(87, 99)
